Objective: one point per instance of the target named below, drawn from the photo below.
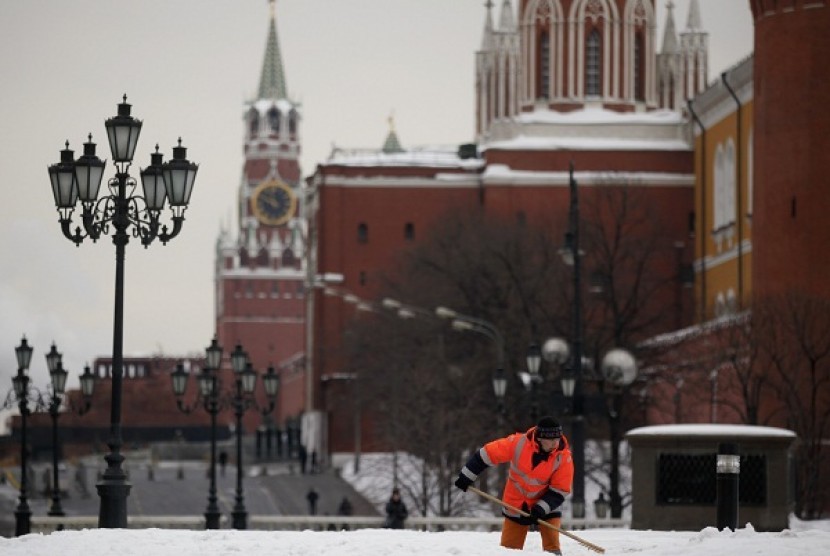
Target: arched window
(543, 56)
(274, 120)
(409, 231)
(724, 210)
(362, 233)
(592, 63)
(639, 68)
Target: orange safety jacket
(549, 482)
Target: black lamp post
(20, 383)
(214, 400)
(208, 399)
(119, 211)
(619, 369)
(572, 256)
(57, 375)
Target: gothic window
(592, 63)
(543, 56)
(274, 120)
(409, 231)
(362, 233)
(639, 68)
(253, 123)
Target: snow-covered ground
(382, 542)
(802, 539)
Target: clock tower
(260, 268)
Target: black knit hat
(548, 427)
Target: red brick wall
(792, 148)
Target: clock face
(273, 203)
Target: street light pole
(58, 376)
(213, 401)
(74, 180)
(573, 256)
(23, 514)
(208, 399)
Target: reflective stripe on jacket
(527, 484)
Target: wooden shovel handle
(523, 513)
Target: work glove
(463, 482)
(537, 512)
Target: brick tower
(791, 197)
(260, 298)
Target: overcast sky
(187, 67)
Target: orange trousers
(513, 534)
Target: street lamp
(213, 400)
(20, 392)
(531, 378)
(619, 369)
(572, 256)
(243, 401)
(119, 211)
(474, 324)
(57, 375)
(206, 398)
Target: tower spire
(272, 79)
(693, 22)
(487, 38)
(670, 31)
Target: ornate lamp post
(619, 369)
(213, 400)
(208, 399)
(57, 375)
(123, 213)
(20, 383)
(245, 382)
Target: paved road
(176, 488)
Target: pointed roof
(507, 21)
(487, 39)
(670, 33)
(272, 79)
(392, 144)
(693, 23)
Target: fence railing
(46, 524)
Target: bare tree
(794, 330)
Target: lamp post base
(239, 519)
(212, 518)
(113, 510)
(22, 521)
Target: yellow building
(723, 116)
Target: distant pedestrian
(223, 461)
(312, 497)
(396, 512)
(314, 461)
(345, 508)
(303, 458)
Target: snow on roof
(524, 142)
(422, 156)
(503, 172)
(710, 429)
(598, 115)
